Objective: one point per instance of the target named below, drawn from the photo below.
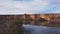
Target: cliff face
(9, 24)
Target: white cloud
(9, 6)
(21, 7)
(57, 11)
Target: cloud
(23, 0)
(31, 6)
(21, 7)
(36, 5)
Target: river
(35, 29)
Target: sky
(29, 6)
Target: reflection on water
(34, 29)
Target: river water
(35, 29)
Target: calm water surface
(34, 29)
